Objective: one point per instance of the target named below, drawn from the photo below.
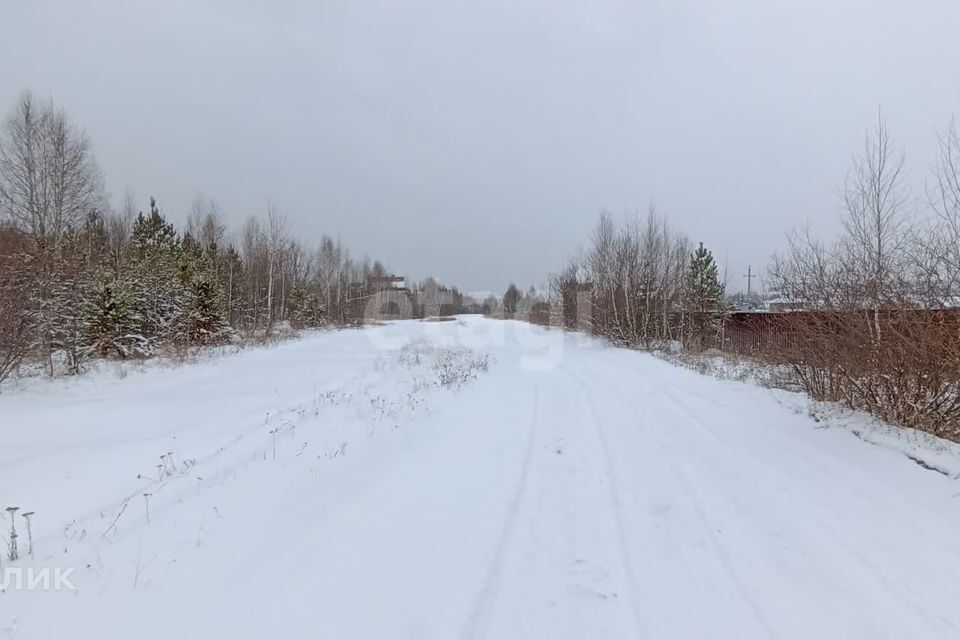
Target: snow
(471, 479)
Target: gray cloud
(477, 141)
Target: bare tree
(50, 186)
(636, 273)
(940, 254)
(255, 258)
(118, 226)
(205, 222)
(277, 229)
(49, 179)
(875, 220)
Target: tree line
(80, 278)
(640, 283)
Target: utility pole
(750, 275)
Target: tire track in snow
(478, 622)
(898, 593)
(709, 531)
(683, 484)
(616, 507)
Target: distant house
(382, 283)
(382, 297)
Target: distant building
(382, 297)
(783, 305)
(379, 284)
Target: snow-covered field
(469, 479)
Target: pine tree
(306, 310)
(203, 320)
(316, 313)
(111, 321)
(152, 236)
(298, 306)
(158, 290)
(704, 299)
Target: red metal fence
(779, 333)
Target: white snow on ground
(471, 479)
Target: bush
(16, 329)
(902, 366)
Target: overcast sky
(477, 141)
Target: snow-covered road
(472, 479)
